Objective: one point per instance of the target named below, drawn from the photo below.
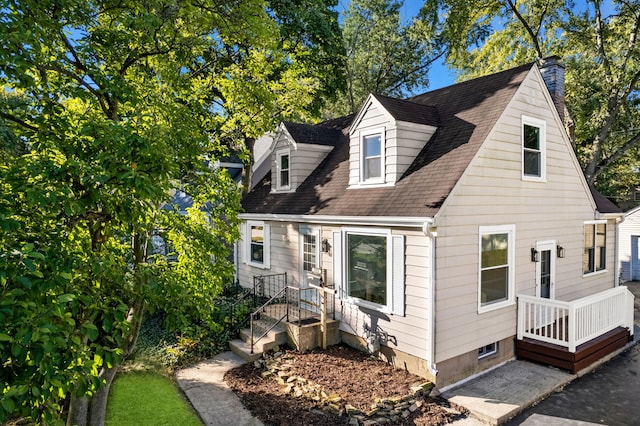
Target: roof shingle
(465, 113)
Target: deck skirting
(585, 354)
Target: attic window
(372, 156)
(283, 179)
(533, 149)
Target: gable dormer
(385, 137)
(296, 151)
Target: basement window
(488, 350)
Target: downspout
(616, 265)
(427, 229)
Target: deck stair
(242, 346)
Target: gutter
(397, 221)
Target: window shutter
(267, 246)
(398, 287)
(243, 245)
(337, 263)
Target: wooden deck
(585, 354)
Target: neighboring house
(629, 246)
(435, 217)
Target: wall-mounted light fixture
(560, 252)
(535, 255)
(325, 245)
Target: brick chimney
(552, 71)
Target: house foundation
(463, 366)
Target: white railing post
(629, 304)
(572, 326)
(521, 313)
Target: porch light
(560, 252)
(535, 255)
(325, 245)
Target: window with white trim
(496, 267)
(309, 249)
(488, 350)
(283, 170)
(257, 249)
(372, 162)
(594, 258)
(369, 268)
(534, 160)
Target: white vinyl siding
(492, 192)
(409, 315)
(402, 142)
(303, 159)
(629, 246)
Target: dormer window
(372, 156)
(283, 166)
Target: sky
(439, 74)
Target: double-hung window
(496, 271)
(595, 247)
(283, 170)
(257, 246)
(370, 264)
(372, 156)
(533, 149)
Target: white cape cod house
(456, 226)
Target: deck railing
(570, 324)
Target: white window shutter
(267, 246)
(397, 283)
(337, 263)
(243, 246)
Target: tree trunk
(99, 400)
(78, 411)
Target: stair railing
(280, 311)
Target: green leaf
(90, 330)
(66, 298)
(5, 338)
(8, 404)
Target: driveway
(609, 395)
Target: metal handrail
(262, 308)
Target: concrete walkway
(502, 393)
(207, 391)
(493, 397)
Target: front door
(546, 269)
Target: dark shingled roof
(603, 204)
(465, 113)
(313, 134)
(411, 112)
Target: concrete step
(242, 347)
(277, 334)
(243, 350)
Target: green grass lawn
(146, 398)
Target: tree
(122, 103)
(383, 55)
(602, 70)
